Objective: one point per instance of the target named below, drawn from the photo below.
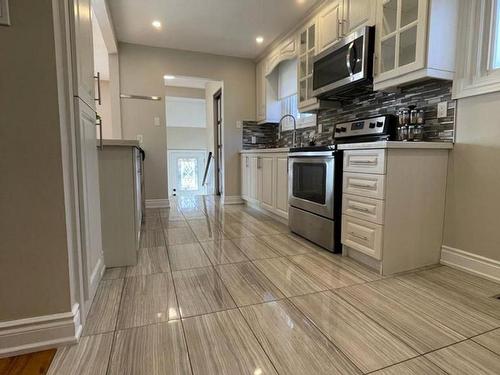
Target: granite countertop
(395, 144)
(120, 142)
(265, 150)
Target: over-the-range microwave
(345, 69)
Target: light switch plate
(254, 139)
(320, 128)
(442, 109)
(157, 121)
(140, 138)
(239, 124)
(4, 13)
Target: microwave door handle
(348, 59)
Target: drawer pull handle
(363, 184)
(359, 208)
(364, 161)
(358, 236)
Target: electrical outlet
(239, 124)
(442, 109)
(320, 128)
(157, 121)
(254, 139)
(140, 138)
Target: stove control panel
(367, 127)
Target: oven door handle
(312, 154)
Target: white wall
(472, 219)
(141, 72)
(186, 138)
(34, 254)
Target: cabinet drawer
(362, 236)
(366, 185)
(363, 208)
(365, 161)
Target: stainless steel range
(315, 181)
(314, 185)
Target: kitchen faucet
(294, 134)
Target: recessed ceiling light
(156, 24)
(259, 39)
(169, 77)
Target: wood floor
(227, 290)
(28, 364)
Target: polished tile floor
(228, 290)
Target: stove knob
(372, 125)
(380, 124)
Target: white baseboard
(232, 199)
(472, 263)
(157, 203)
(40, 333)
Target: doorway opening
(186, 172)
(192, 141)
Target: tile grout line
(257, 339)
(423, 312)
(366, 282)
(115, 332)
(178, 306)
(239, 311)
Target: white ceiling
(223, 27)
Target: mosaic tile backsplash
(424, 95)
(265, 135)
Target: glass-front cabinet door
(401, 37)
(307, 48)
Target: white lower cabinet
(264, 181)
(281, 187)
(393, 206)
(362, 235)
(266, 164)
(253, 178)
(244, 176)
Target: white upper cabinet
(83, 51)
(413, 42)
(287, 50)
(358, 13)
(307, 50)
(260, 91)
(330, 20)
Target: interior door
(90, 202)
(218, 142)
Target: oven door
(347, 62)
(310, 183)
